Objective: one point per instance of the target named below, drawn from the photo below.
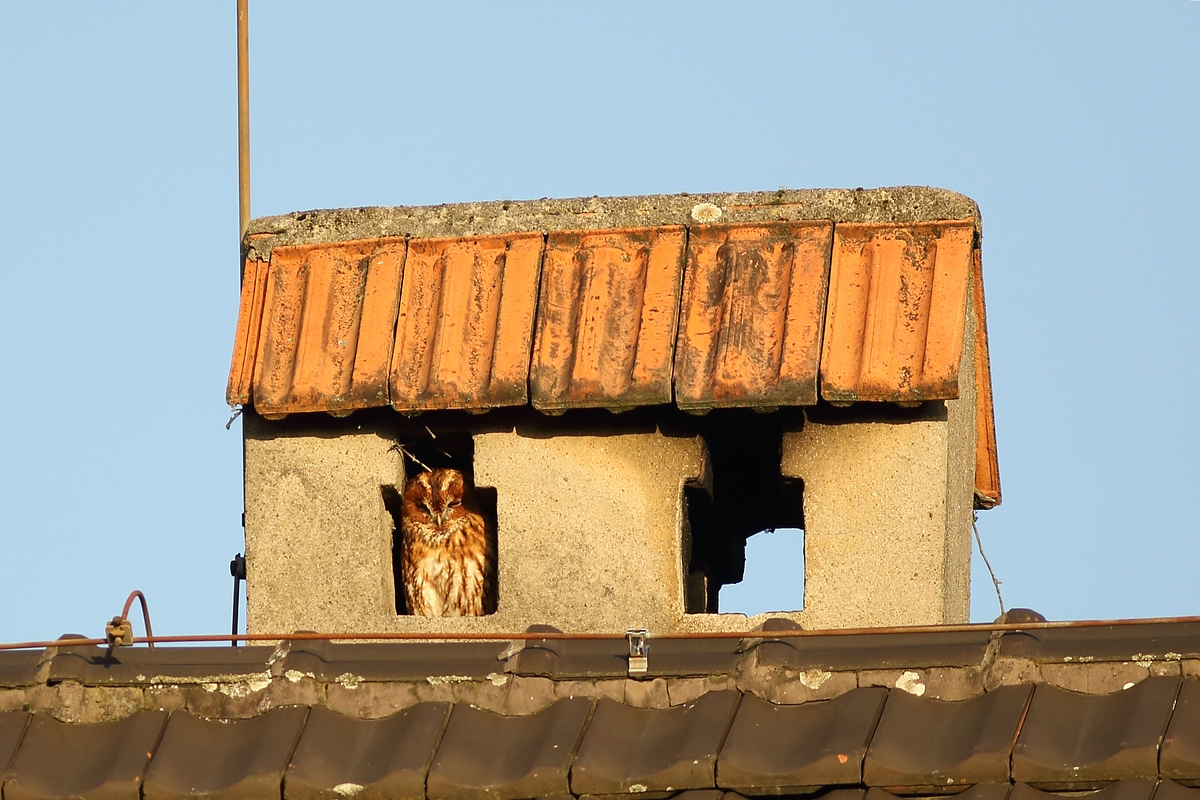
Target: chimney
(633, 386)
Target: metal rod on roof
(993, 627)
(243, 79)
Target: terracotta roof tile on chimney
(326, 316)
(465, 326)
(897, 309)
(606, 318)
(754, 310)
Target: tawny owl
(448, 561)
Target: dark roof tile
(986, 791)
(97, 760)
(599, 658)
(929, 743)
(1170, 790)
(876, 650)
(775, 749)
(399, 661)
(573, 658)
(702, 794)
(1170, 640)
(1073, 740)
(94, 666)
(650, 750)
(683, 657)
(233, 758)
(1128, 789)
(12, 725)
(980, 791)
(1180, 758)
(386, 757)
(839, 794)
(19, 668)
(485, 755)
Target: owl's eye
(455, 503)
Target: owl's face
(435, 498)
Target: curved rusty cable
(149, 638)
(985, 627)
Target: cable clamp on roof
(639, 650)
(119, 630)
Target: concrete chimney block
(318, 537)
(589, 527)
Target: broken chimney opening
(742, 493)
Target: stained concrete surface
(318, 537)
(892, 204)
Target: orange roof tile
(987, 464)
(245, 346)
(466, 322)
(897, 308)
(606, 318)
(753, 311)
(327, 324)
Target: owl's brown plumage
(447, 559)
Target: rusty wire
(145, 614)
(988, 627)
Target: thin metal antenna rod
(243, 78)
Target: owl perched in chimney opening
(448, 561)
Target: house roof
(999, 715)
(734, 300)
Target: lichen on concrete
(891, 204)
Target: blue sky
(1074, 125)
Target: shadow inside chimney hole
(744, 495)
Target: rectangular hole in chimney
(744, 547)
(444, 452)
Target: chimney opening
(744, 495)
(446, 451)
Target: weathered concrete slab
(892, 204)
